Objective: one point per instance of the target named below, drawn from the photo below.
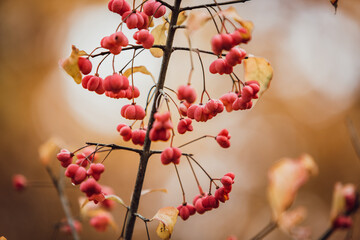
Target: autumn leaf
(116, 199)
(48, 150)
(196, 20)
(70, 64)
(160, 39)
(285, 179)
(341, 192)
(335, 4)
(259, 69)
(289, 220)
(181, 18)
(2, 238)
(141, 69)
(167, 217)
(147, 191)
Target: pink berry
(171, 155)
(100, 222)
(90, 187)
(95, 170)
(85, 65)
(187, 93)
(19, 182)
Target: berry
(220, 66)
(228, 99)
(133, 19)
(223, 138)
(153, 8)
(171, 154)
(162, 127)
(187, 93)
(19, 182)
(125, 131)
(90, 187)
(95, 170)
(116, 82)
(138, 137)
(119, 6)
(344, 222)
(65, 227)
(101, 221)
(235, 56)
(76, 173)
(133, 112)
(85, 65)
(184, 125)
(65, 157)
(145, 38)
(221, 194)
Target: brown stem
(130, 223)
(212, 5)
(265, 231)
(59, 186)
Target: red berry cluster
(137, 136)
(233, 57)
(93, 83)
(115, 42)
(130, 93)
(206, 202)
(248, 93)
(161, 129)
(154, 8)
(225, 41)
(223, 138)
(184, 125)
(171, 155)
(202, 113)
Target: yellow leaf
(181, 18)
(196, 20)
(259, 69)
(285, 179)
(167, 217)
(48, 150)
(146, 191)
(339, 199)
(160, 39)
(70, 64)
(116, 199)
(141, 69)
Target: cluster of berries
(206, 202)
(202, 113)
(226, 42)
(223, 138)
(161, 129)
(233, 57)
(130, 93)
(170, 155)
(78, 173)
(136, 136)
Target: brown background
(293, 117)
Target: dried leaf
(146, 191)
(2, 238)
(259, 69)
(47, 150)
(339, 199)
(160, 39)
(116, 199)
(70, 64)
(290, 219)
(248, 25)
(167, 217)
(285, 179)
(335, 4)
(141, 69)
(196, 20)
(181, 18)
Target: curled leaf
(70, 64)
(196, 20)
(146, 191)
(116, 199)
(47, 150)
(167, 217)
(259, 69)
(181, 18)
(339, 201)
(285, 179)
(141, 69)
(160, 39)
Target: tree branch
(212, 5)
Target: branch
(166, 4)
(115, 147)
(265, 231)
(64, 201)
(212, 5)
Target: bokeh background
(315, 90)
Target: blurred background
(315, 90)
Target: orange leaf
(160, 39)
(181, 18)
(196, 20)
(141, 69)
(167, 217)
(285, 179)
(2, 238)
(48, 150)
(259, 69)
(70, 64)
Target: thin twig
(265, 231)
(212, 5)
